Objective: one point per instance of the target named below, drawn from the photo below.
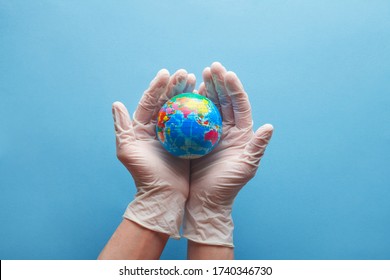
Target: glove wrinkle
(217, 177)
(157, 210)
(162, 181)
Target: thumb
(123, 127)
(255, 149)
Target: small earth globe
(189, 125)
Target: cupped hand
(162, 180)
(217, 177)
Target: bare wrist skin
(199, 251)
(131, 241)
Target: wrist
(199, 251)
(208, 224)
(134, 242)
(158, 209)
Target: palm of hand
(226, 171)
(218, 177)
(137, 146)
(149, 163)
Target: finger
(148, 102)
(218, 73)
(176, 85)
(255, 149)
(240, 101)
(202, 89)
(123, 127)
(191, 82)
(209, 87)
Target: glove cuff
(161, 212)
(212, 226)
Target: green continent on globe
(189, 125)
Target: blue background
(319, 71)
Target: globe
(189, 125)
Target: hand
(217, 177)
(162, 180)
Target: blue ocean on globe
(189, 125)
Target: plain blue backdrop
(319, 71)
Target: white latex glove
(162, 180)
(217, 177)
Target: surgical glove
(217, 177)
(162, 181)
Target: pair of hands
(202, 190)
